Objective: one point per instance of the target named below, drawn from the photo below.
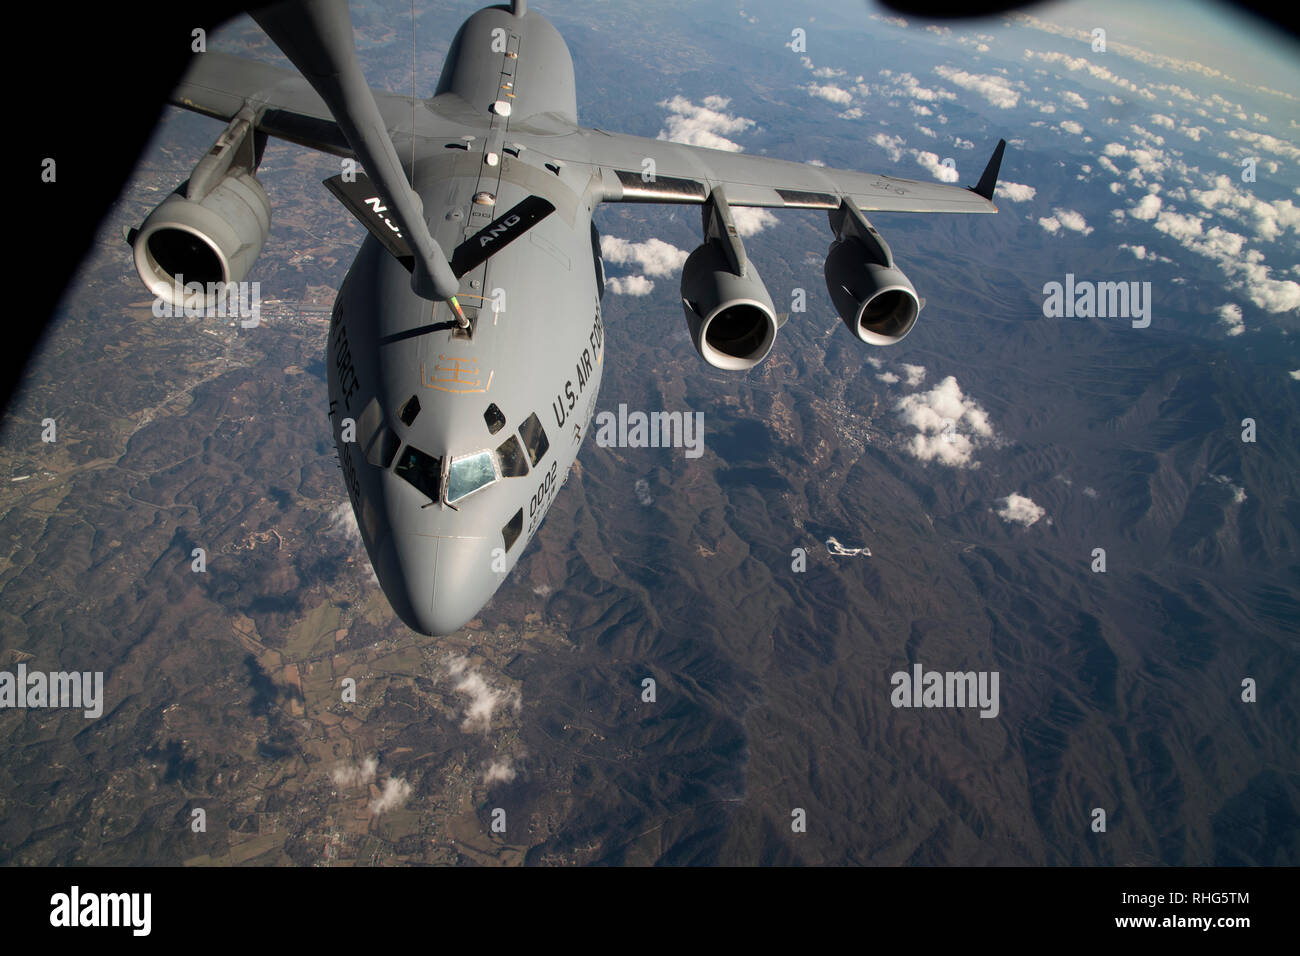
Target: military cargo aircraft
(461, 387)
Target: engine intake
(871, 294)
(731, 318)
(214, 239)
(876, 301)
(213, 227)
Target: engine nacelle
(214, 239)
(731, 318)
(876, 301)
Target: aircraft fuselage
(461, 437)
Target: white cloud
(1090, 492)
(963, 143)
(1070, 126)
(653, 256)
(484, 699)
(629, 285)
(826, 72)
(892, 145)
(930, 161)
(1074, 99)
(1146, 209)
(750, 220)
(915, 374)
(831, 93)
(1159, 120)
(1069, 219)
(1295, 374)
(889, 378)
(1017, 509)
(949, 426)
(908, 85)
(394, 793)
(499, 771)
(996, 89)
(1050, 223)
(1230, 316)
(702, 125)
(343, 524)
(347, 775)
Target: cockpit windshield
(469, 473)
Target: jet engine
(728, 310)
(871, 294)
(212, 228)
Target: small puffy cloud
(1069, 219)
(1159, 120)
(1147, 208)
(949, 426)
(499, 771)
(998, 90)
(892, 145)
(931, 162)
(826, 72)
(1072, 98)
(484, 699)
(630, 285)
(652, 257)
(1295, 374)
(831, 93)
(1177, 225)
(703, 125)
(963, 143)
(915, 374)
(1017, 509)
(889, 378)
(908, 85)
(347, 775)
(1015, 192)
(751, 220)
(394, 793)
(1071, 127)
(1230, 317)
(1090, 492)
(1050, 223)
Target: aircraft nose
(436, 585)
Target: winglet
(989, 181)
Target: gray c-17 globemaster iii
(460, 389)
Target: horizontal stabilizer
(498, 234)
(362, 200)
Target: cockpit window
(383, 449)
(495, 420)
(421, 470)
(469, 473)
(511, 455)
(510, 533)
(534, 437)
(410, 410)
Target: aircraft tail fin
(989, 181)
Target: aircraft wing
(218, 85)
(687, 174)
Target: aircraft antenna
(412, 94)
